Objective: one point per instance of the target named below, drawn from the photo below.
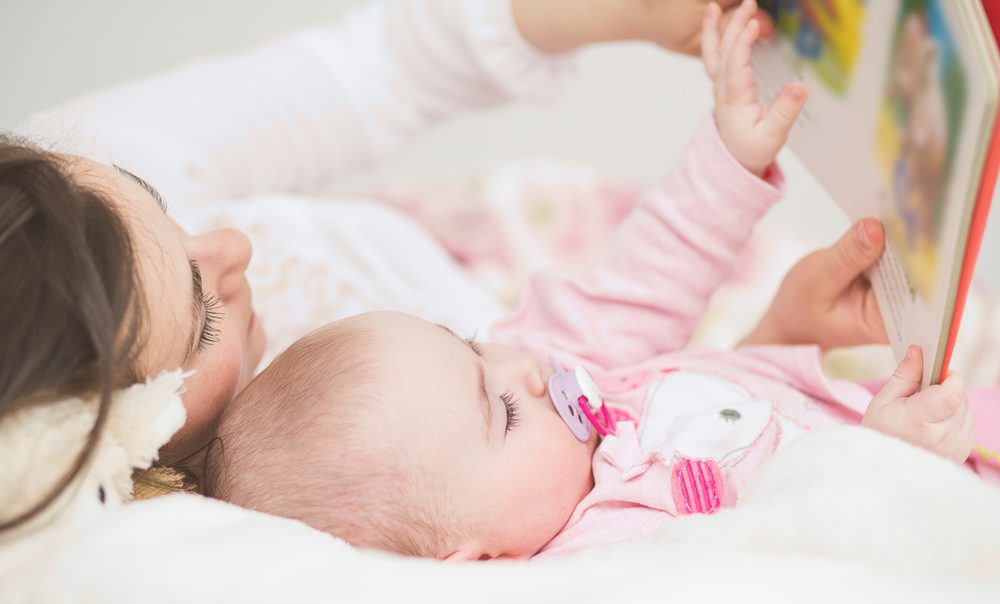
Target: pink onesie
(693, 424)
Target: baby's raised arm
(647, 289)
(752, 132)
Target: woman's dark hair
(70, 305)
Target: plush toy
(39, 443)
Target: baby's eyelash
(474, 345)
(511, 404)
(213, 315)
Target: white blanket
(843, 515)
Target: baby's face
(482, 423)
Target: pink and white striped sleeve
(644, 294)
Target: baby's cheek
(570, 461)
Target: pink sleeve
(644, 294)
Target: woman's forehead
(164, 269)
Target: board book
(901, 124)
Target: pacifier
(578, 401)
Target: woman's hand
(826, 299)
(562, 25)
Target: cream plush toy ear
(38, 444)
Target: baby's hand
(936, 418)
(753, 133)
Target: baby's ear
(466, 554)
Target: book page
(840, 56)
(892, 129)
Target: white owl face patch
(701, 416)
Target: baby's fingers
(903, 382)
(736, 26)
(710, 39)
(966, 438)
(954, 436)
(783, 112)
(740, 87)
(938, 403)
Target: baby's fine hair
(311, 439)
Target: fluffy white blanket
(842, 515)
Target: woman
(103, 289)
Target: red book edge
(979, 214)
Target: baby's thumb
(906, 379)
(784, 110)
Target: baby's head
(391, 432)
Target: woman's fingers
(871, 318)
(854, 253)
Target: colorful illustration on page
(823, 35)
(915, 138)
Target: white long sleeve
(230, 142)
(302, 112)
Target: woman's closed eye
(211, 309)
(213, 315)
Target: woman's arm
(826, 299)
(673, 24)
(305, 111)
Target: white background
(629, 113)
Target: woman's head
(99, 289)
(195, 296)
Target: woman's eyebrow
(145, 185)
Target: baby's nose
(534, 378)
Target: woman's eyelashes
(213, 316)
(211, 309)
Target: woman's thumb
(855, 252)
(905, 381)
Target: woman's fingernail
(861, 236)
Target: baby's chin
(593, 441)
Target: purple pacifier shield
(565, 392)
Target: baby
(391, 432)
